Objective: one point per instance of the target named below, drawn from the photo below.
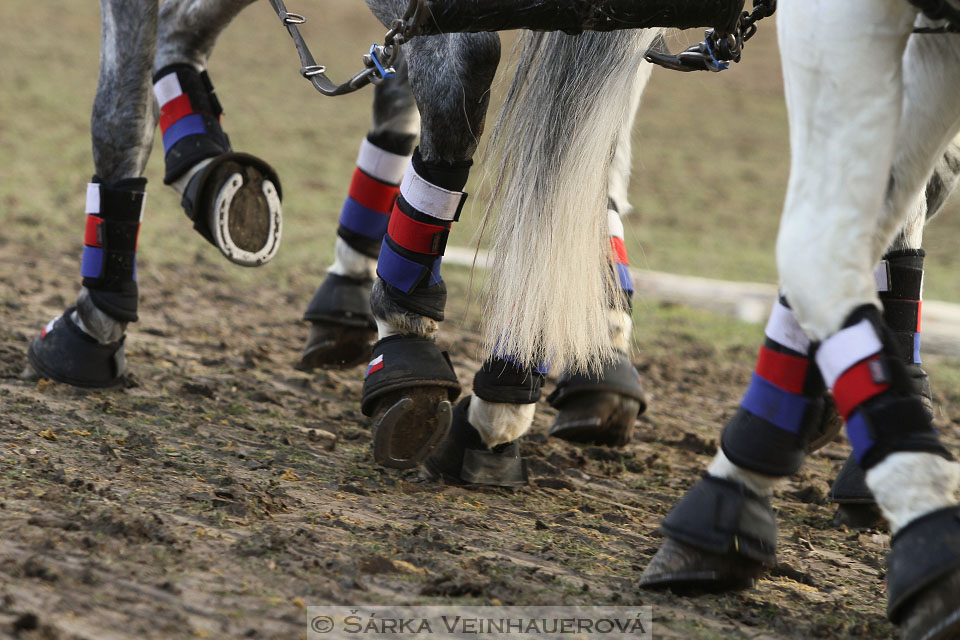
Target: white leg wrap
(500, 422)
(351, 263)
(621, 327)
(910, 484)
(721, 467)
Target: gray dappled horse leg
(342, 327)
(232, 198)
(410, 383)
(84, 346)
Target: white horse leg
(766, 440)
(910, 485)
(825, 276)
(342, 327)
(854, 133)
(500, 422)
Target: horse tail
(551, 149)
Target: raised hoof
(687, 570)
(602, 418)
(859, 516)
(245, 215)
(336, 346)
(409, 424)
(935, 612)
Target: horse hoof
(599, 418)
(859, 516)
(63, 352)
(464, 459)
(935, 613)
(409, 424)
(336, 346)
(234, 202)
(688, 570)
(599, 407)
(245, 213)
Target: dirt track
(197, 502)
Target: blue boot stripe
(363, 221)
(778, 407)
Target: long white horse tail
(550, 152)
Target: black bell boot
(463, 458)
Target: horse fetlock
(500, 422)
(94, 322)
(394, 320)
(909, 485)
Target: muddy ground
(206, 500)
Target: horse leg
(232, 198)
(828, 277)
(482, 446)
(602, 407)
(765, 440)
(410, 383)
(900, 287)
(342, 328)
(708, 547)
(914, 485)
(84, 346)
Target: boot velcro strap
(342, 300)
(418, 233)
(501, 380)
(721, 516)
(921, 553)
